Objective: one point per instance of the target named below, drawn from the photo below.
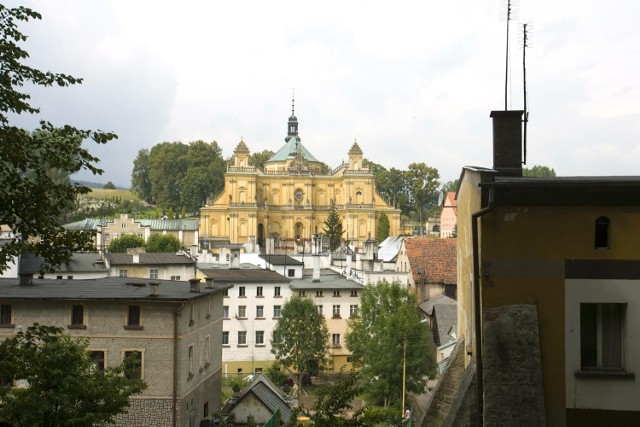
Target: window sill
(226, 345)
(7, 325)
(242, 296)
(610, 374)
(259, 318)
(277, 296)
(275, 318)
(134, 327)
(336, 346)
(243, 345)
(241, 318)
(259, 296)
(260, 345)
(336, 317)
(226, 318)
(76, 326)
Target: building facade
(289, 198)
(172, 329)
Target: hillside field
(104, 194)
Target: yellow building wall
(523, 256)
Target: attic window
(602, 233)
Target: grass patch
(105, 194)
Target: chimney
(316, 268)
(194, 285)
(349, 258)
(208, 283)
(507, 142)
(136, 258)
(153, 289)
(234, 258)
(26, 279)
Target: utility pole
(404, 371)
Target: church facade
(286, 201)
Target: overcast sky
(411, 81)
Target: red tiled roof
(436, 256)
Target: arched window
(602, 238)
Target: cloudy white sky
(412, 81)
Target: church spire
(293, 121)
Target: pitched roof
(281, 260)
(250, 275)
(270, 396)
(169, 224)
(389, 248)
(86, 224)
(150, 259)
(434, 258)
(329, 279)
(290, 147)
(428, 305)
(80, 262)
(107, 288)
(445, 318)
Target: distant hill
(95, 184)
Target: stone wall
(147, 412)
(512, 374)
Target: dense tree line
(175, 175)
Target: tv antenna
(526, 29)
(507, 12)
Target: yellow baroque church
(282, 205)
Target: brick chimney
(507, 142)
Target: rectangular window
(601, 336)
(133, 317)
(242, 291)
(207, 354)
(320, 311)
(77, 316)
(175, 278)
(123, 273)
(153, 273)
(291, 272)
(260, 311)
(276, 291)
(242, 311)
(191, 361)
(225, 337)
(336, 310)
(98, 358)
(353, 310)
(5, 315)
(276, 310)
(354, 293)
(106, 236)
(225, 311)
(302, 293)
(335, 340)
(336, 293)
(259, 337)
(133, 365)
(318, 293)
(242, 337)
(259, 291)
(225, 293)
(192, 314)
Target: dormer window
(602, 239)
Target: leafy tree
(171, 214)
(164, 243)
(140, 180)
(124, 242)
(423, 183)
(26, 158)
(387, 325)
(167, 163)
(332, 401)
(109, 186)
(194, 188)
(301, 337)
(451, 186)
(183, 213)
(333, 228)
(261, 157)
(538, 171)
(64, 386)
(383, 227)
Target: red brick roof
(436, 256)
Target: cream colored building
(289, 199)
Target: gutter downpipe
(174, 397)
(477, 312)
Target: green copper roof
(290, 147)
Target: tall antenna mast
(507, 13)
(525, 40)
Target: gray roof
(108, 288)
(86, 224)
(150, 259)
(170, 224)
(270, 396)
(290, 147)
(389, 248)
(329, 279)
(446, 316)
(80, 262)
(281, 260)
(250, 275)
(428, 305)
